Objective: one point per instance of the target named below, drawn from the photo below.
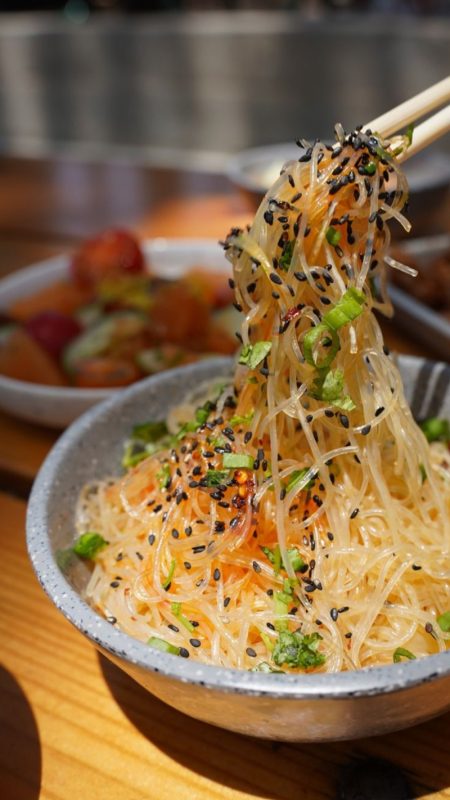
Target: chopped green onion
(274, 557)
(165, 647)
(188, 427)
(252, 379)
(167, 582)
(263, 666)
(444, 622)
(318, 335)
(281, 610)
(252, 354)
(286, 256)
(133, 455)
(436, 430)
(242, 420)
(298, 650)
(329, 386)
(202, 412)
(370, 168)
(214, 477)
(176, 611)
(163, 476)
(296, 478)
(295, 558)
(423, 472)
(347, 309)
(149, 431)
(333, 236)
(237, 461)
(89, 544)
(400, 653)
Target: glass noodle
(324, 544)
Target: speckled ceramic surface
(58, 406)
(291, 707)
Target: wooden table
(73, 725)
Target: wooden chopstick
(426, 133)
(412, 110)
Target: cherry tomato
(108, 372)
(53, 331)
(111, 254)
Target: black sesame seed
(187, 565)
(268, 216)
(334, 614)
(330, 536)
(216, 574)
(256, 566)
(173, 628)
(223, 504)
(226, 602)
(250, 652)
(270, 626)
(151, 539)
(114, 584)
(366, 430)
(428, 627)
(175, 533)
(199, 548)
(276, 279)
(379, 411)
(269, 592)
(234, 522)
(219, 526)
(354, 513)
(348, 635)
(184, 653)
(343, 609)
(195, 642)
(416, 567)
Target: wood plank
(72, 724)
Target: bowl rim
(152, 247)
(336, 686)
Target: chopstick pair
(415, 108)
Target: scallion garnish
(242, 420)
(370, 168)
(237, 461)
(252, 354)
(320, 335)
(347, 309)
(168, 580)
(263, 666)
(163, 476)
(286, 256)
(436, 430)
(444, 622)
(215, 477)
(400, 653)
(333, 236)
(89, 544)
(165, 647)
(298, 650)
(176, 611)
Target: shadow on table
(20, 749)
(284, 771)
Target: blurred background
(187, 82)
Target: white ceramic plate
(58, 406)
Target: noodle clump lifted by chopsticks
(296, 518)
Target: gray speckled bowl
(291, 707)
